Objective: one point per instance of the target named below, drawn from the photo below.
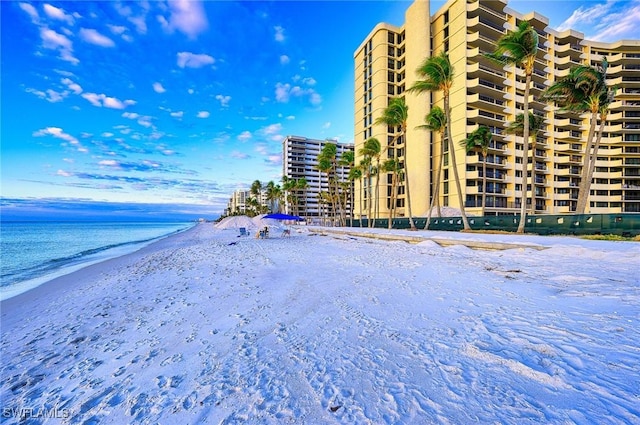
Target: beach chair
(286, 233)
(243, 232)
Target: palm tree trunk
(484, 182)
(361, 195)
(594, 157)
(412, 224)
(406, 184)
(436, 191)
(376, 207)
(369, 201)
(465, 222)
(392, 200)
(533, 174)
(585, 183)
(525, 155)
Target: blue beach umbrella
(280, 216)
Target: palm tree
(436, 120)
(355, 173)
(327, 163)
(371, 151)
(392, 166)
(536, 123)
(273, 195)
(519, 48)
(347, 159)
(438, 76)
(395, 115)
(584, 89)
(606, 98)
(479, 140)
(256, 191)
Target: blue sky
(173, 105)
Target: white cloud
(94, 37)
(272, 129)
(109, 163)
(106, 101)
(192, 60)
(57, 13)
(261, 148)
(157, 87)
(224, 100)
(244, 136)
(284, 59)
(59, 134)
(310, 81)
(145, 121)
(279, 33)
(282, 92)
(63, 173)
(620, 25)
(31, 11)
(291, 117)
(583, 16)
(203, 114)
(139, 19)
(315, 98)
(117, 29)
(239, 155)
(190, 91)
(274, 160)
(326, 125)
(54, 96)
(131, 115)
(188, 17)
(74, 87)
(285, 91)
(272, 132)
(177, 114)
(112, 102)
(50, 95)
(55, 41)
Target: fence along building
(487, 94)
(300, 160)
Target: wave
(54, 265)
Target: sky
(176, 104)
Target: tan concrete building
(486, 94)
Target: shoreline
(208, 327)
(19, 288)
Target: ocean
(35, 252)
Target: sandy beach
(209, 327)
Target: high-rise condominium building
(488, 94)
(300, 160)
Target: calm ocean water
(34, 252)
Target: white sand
(208, 327)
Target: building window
(391, 37)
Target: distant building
(300, 160)
(238, 202)
(484, 93)
(241, 202)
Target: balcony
(607, 174)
